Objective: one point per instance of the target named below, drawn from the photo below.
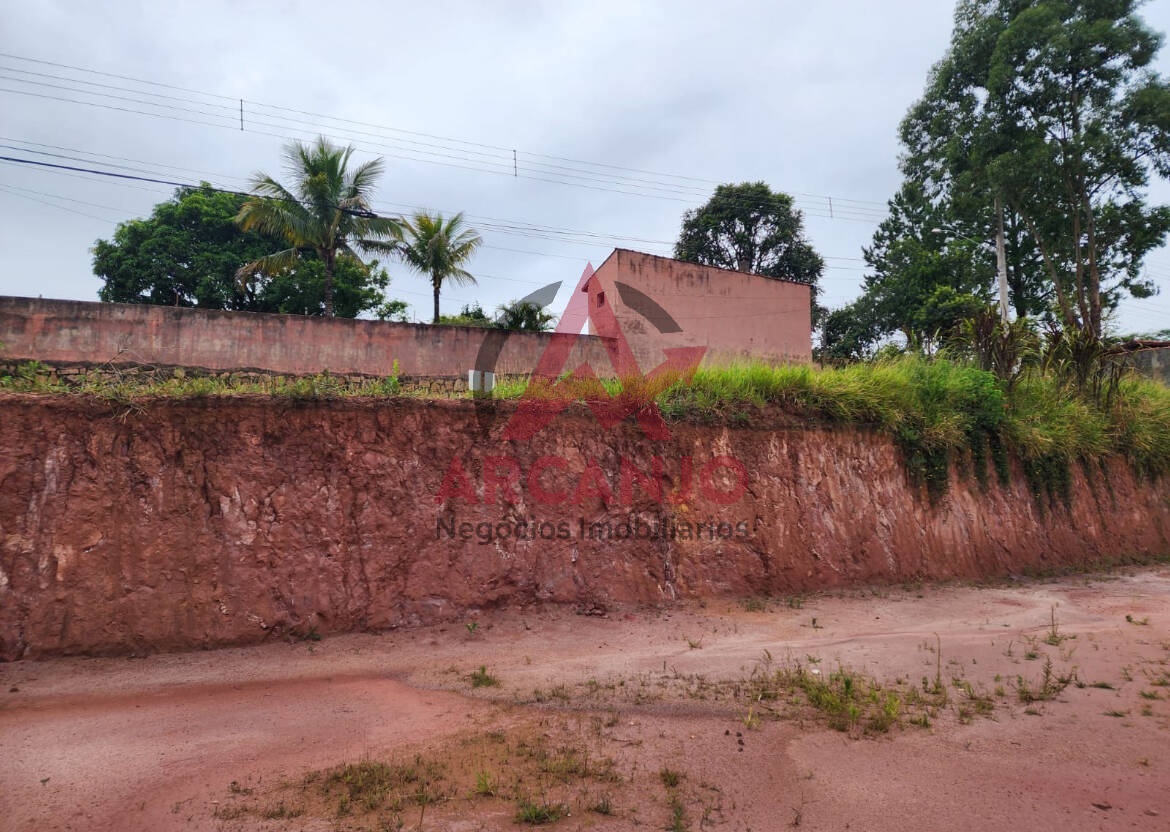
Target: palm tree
(326, 212)
(438, 248)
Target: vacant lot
(1034, 705)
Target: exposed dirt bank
(247, 738)
(175, 524)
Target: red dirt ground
(154, 743)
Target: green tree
(439, 248)
(326, 212)
(357, 287)
(1050, 107)
(187, 253)
(750, 228)
(850, 333)
(393, 310)
(923, 279)
(524, 316)
(471, 314)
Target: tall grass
(938, 411)
(941, 410)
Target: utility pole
(1001, 262)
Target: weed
(887, 716)
(1102, 685)
(670, 778)
(482, 679)
(603, 806)
(310, 634)
(1117, 714)
(228, 812)
(280, 812)
(1149, 694)
(678, 815)
(1054, 636)
(371, 784)
(485, 783)
(1051, 684)
(751, 720)
(472, 627)
(695, 644)
(1140, 622)
(538, 814)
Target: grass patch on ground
(537, 772)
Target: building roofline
(702, 266)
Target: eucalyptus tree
(1050, 106)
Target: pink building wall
(734, 314)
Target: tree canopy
(1047, 108)
(922, 280)
(750, 228)
(524, 316)
(517, 315)
(187, 253)
(1051, 107)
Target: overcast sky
(805, 96)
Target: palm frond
(269, 265)
(287, 219)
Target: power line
(806, 211)
(506, 226)
(355, 212)
(58, 207)
(840, 208)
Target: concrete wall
(202, 522)
(79, 332)
(733, 314)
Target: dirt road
(915, 708)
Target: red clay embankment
(201, 522)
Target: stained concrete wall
(67, 332)
(733, 314)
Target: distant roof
(703, 266)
